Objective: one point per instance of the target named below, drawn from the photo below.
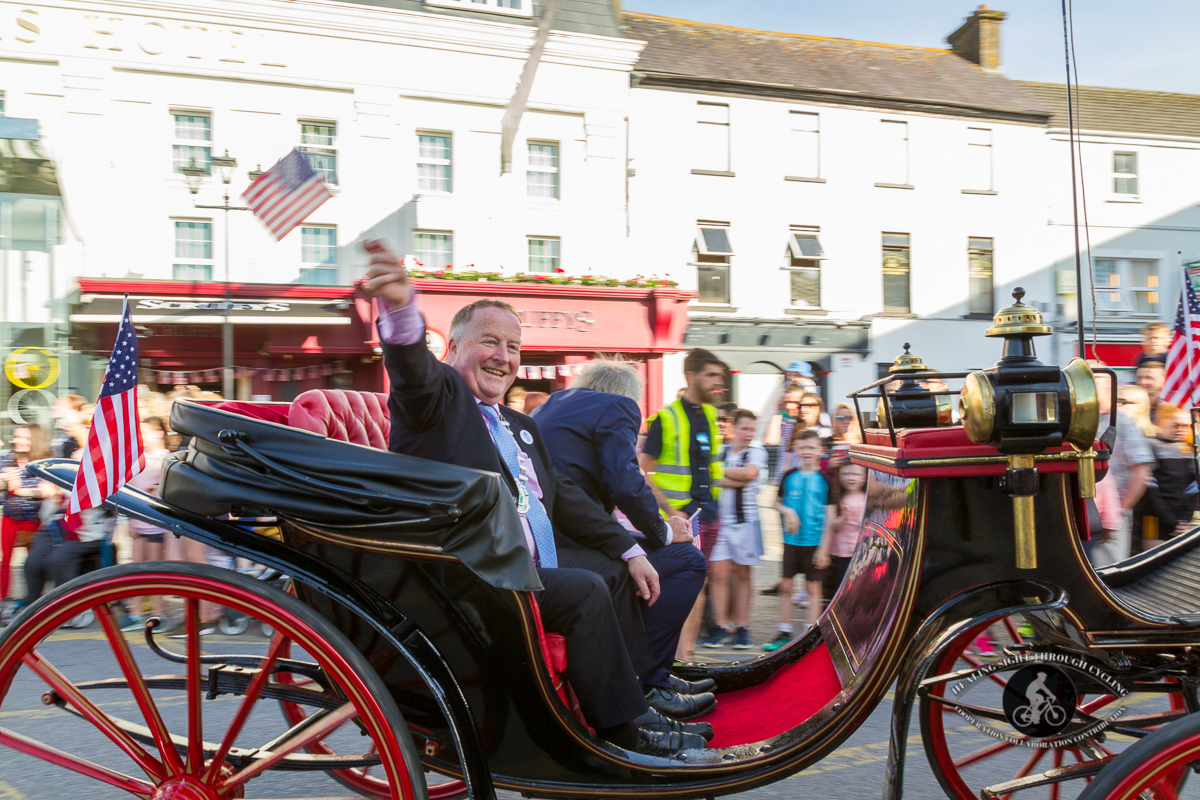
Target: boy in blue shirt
(809, 520)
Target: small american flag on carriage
(114, 445)
(284, 196)
(1181, 383)
(694, 527)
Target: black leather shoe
(658, 743)
(654, 720)
(682, 707)
(691, 687)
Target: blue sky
(1148, 45)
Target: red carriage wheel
(966, 761)
(367, 780)
(191, 727)
(1151, 768)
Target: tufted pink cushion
(358, 417)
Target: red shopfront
(564, 326)
(289, 339)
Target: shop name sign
(582, 321)
(154, 304)
(184, 40)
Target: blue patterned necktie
(539, 523)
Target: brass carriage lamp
(911, 404)
(1024, 407)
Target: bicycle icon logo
(1039, 700)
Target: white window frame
(188, 261)
(176, 141)
(554, 171)
(449, 235)
(3, 104)
(702, 249)
(971, 253)
(704, 107)
(979, 145)
(809, 263)
(885, 248)
(312, 149)
(555, 259)
(887, 131)
(1135, 176)
(443, 162)
(1123, 305)
(812, 135)
(512, 8)
(312, 269)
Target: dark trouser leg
(64, 564)
(36, 571)
(681, 571)
(576, 603)
(625, 601)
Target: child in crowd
(1156, 339)
(853, 480)
(809, 510)
(739, 543)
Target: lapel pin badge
(526, 437)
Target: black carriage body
(424, 569)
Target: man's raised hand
(386, 276)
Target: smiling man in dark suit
(453, 412)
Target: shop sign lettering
(134, 35)
(582, 321)
(151, 303)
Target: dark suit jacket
(592, 437)
(435, 416)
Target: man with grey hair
(591, 430)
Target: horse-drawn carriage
(409, 660)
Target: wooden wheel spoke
(32, 747)
(322, 727)
(141, 693)
(1025, 770)
(195, 753)
(370, 752)
(59, 683)
(278, 643)
(1013, 631)
(1058, 762)
(1099, 702)
(979, 755)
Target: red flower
(439, 273)
(559, 269)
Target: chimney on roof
(978, 39)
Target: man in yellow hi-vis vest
(683, 460)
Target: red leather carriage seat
(363, 418)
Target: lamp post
(195, 175)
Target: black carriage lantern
(912, 405)
(1023, 407)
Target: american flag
(114, 446)
(1180, 385)
(284, 196)
(694, 526)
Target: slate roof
(1121, 110)
(840, 68)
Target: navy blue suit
(592, 440)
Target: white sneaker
(800, 599)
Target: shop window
(979, 271)
(434, 250)
(804, 257)
(193, 250)
(804, 148)
(713, 254)
(979, 159)
(318, 141)
(193, 141)
(1127, 285)
(544, 255)
(896, 297)
(893, 153)
(318, 252)
(2, 105)
(1125, 174)
(541, 177)
(712, 138)
(434, 163)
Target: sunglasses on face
(810, 405)
(843, 418)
